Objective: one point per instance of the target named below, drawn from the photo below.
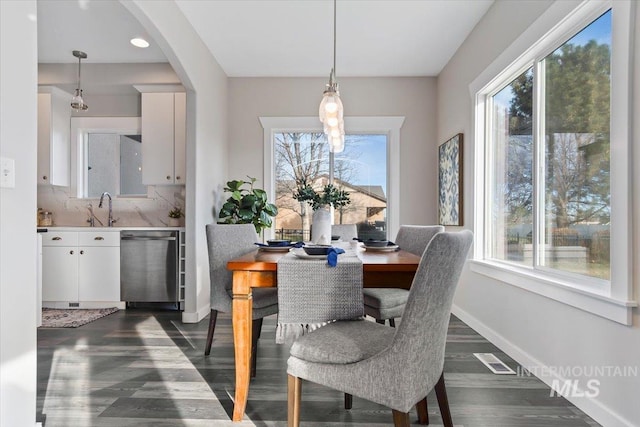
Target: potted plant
(247, 205)
(321, 203)
(174, 216)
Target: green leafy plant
(247, 205)
(176, 212)
(330, 195)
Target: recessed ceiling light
(139, 42)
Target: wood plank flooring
(141, 367)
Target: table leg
(242, 313)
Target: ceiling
(284, 38)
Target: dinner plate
(391, 248)
(275, 248)
(300, 253)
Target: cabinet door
(54, 118)
(44, 138)
(157, 138)
(99, 273)
(180, 137)
(60, 273)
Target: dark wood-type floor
(141, 367)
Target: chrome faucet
(110, 219)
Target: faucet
(92, 217)
(110, 219)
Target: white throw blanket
(312, 294)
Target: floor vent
(496, 365)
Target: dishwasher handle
(146, 238)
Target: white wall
(207, 152)
(412, 97)
(531, 328)
(18, 110)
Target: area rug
(72, 318)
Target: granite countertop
(87, 228)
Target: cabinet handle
(57, 238)
(81, 252)
(71, 252)
(168, 177)
(44, 177)
(98, 238)
(177, 178)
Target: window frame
(611, 299)
(388, 125)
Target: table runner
(311, 294)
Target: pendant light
(77, 103)
(331, 111)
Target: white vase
(322, 225)
(174, 222)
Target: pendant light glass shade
(331, 111)
(77, 103)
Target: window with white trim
(552, 144)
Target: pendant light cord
(334, 36)
(79, 67)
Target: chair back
(346, 231)
(225, 242)
(415, 238)
(419, 342)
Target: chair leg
(212, 327)
(348, 401)
(423, 413)
(392, 323)
(256, 327)
(380, 321)
(401, 419)
(443, 402)
(294, 391)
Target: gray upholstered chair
(226, 242)
(346, 231)
(388, 303)
(395, 367)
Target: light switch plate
(7, 172)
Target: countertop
(87, 228)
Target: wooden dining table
(258, 269)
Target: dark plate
(317, 250)
(278, 242)
(371, 243)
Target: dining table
(259, 269)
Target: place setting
(278, 245)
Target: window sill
(558, 290)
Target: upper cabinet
(54, 121)
(163, 138)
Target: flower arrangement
(176, 212)
(330, 195)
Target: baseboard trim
(195, 316)
(590, 406)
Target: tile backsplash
(130, 212)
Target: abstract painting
(450, 182)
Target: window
(368, 168)
(551, 210)
(361, 170)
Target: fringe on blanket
(287, 333)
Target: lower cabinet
(80, 269)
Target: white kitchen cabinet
(54, 123)
(163, 138)
(80, 268)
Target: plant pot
(174, 222)
(321, 221)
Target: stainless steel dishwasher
(149, 267)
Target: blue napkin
(332, 256)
